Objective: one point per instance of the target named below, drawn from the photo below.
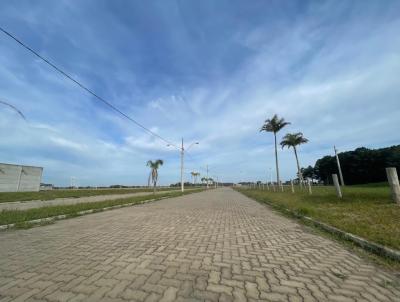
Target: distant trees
(205, 180)
(274, 125)
(153, 177)
(309, 172)
(360, 166)
(293, 140)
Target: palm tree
(154, 172)
(293, 140)
(196, 174)
(193, 174)
(274, 125)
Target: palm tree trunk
(298, 167)
(155, 177)
(276, 161)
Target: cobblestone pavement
(211, 246)
(31, 204)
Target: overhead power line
(65, 74)
(13, 108)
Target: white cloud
(62, 142)
(337, 83)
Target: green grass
(53, 194)
(372, 185)
(366, 211)
(20, 217)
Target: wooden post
(19, 179)
(309, 187)
(337, 185)
(281, 185)
(339, 167)
(267, 186)
(394, 184)
(291, 184)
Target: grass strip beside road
(366, 211)
(54, 194)
(18, 216)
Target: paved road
(31, 204)
(211, 246)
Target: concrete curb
(81, 213)
(375, 248)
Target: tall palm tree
(196, 174)
(293, 140)
(274, 125)
(153, 177)
(193, 174)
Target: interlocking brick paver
(211, 246)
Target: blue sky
(208, 71)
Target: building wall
(15, 178)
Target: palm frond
(149, 163)
(293, 140)
(274, 124)
(155, 164)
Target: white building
(19, 178)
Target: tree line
(360, 166)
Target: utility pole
(207, 177)
(182, 154)
(182, 150)
(339, 168)
(73, 182)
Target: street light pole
(182, 150)
(207, 177)
(182, 155)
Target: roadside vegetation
(360, 166)
(53, 194)
(19, 217)
(366, 211)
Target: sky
(205, 71)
